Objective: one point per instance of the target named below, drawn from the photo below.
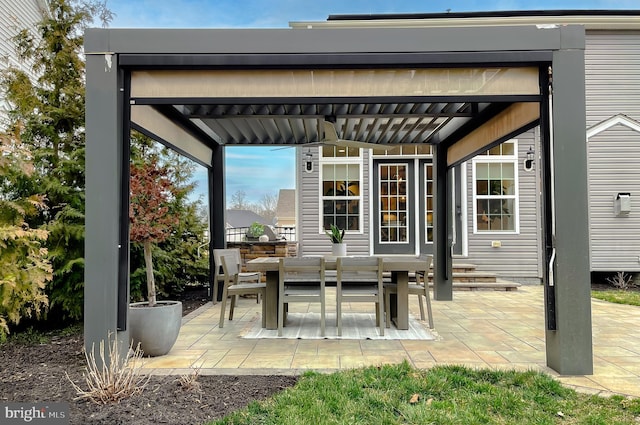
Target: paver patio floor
(477, 329)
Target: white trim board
(613, 121)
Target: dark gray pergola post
(104, 219)
(569, 346)
(217, 207)
(442, 261)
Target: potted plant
(338, 247)
(153, 324)
(255, 231)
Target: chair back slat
(359, 269)
(218, 253)
(230, 268)
(424, 271)
(303, 269)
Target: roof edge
(485, 14)
(591, 19)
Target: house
(15, 16)
(383, 198)
(243, 218)
(286, 208)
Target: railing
(239, 234)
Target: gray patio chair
(301, 280)
(233, 287)
(359, 279)
(218, 273)
(420, 288)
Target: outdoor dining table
(399, 266)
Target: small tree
(48, 115)
(239, 201)
(149, 212)
(24, 266)
(176, 263)
(268, 205)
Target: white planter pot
(155, 328)
(339, 249)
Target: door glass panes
(428, 202)
(341, 196)
(393, 203)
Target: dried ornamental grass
(113, 380)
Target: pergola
(461, 90)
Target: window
(394, 208)
(428, 203)
(341, 190)
(329, 151)
(418, 149)
(495, 189)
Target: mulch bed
(31, 373)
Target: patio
(476, 329)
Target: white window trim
(516, 196)
(358, 160)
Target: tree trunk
(151, 283)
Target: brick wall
(251, 250)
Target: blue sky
(241, 174)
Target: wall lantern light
(308, 163)
(530, 159)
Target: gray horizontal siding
(311, 241)
(614, 156)
(16, 15)
(612, 74)
(520, 255)
(612, 64)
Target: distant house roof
(286, 207)
(243, 218)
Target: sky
(242, 174)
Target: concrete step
(498, 285)
(471, 277)
(463, 267)
(478, 281)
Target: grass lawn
(400, 394)
(618, 296)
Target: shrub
(255, 230)
(622, 281)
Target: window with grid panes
(340, 188)
(494, 190)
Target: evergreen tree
(24, 266)
(48, 116)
